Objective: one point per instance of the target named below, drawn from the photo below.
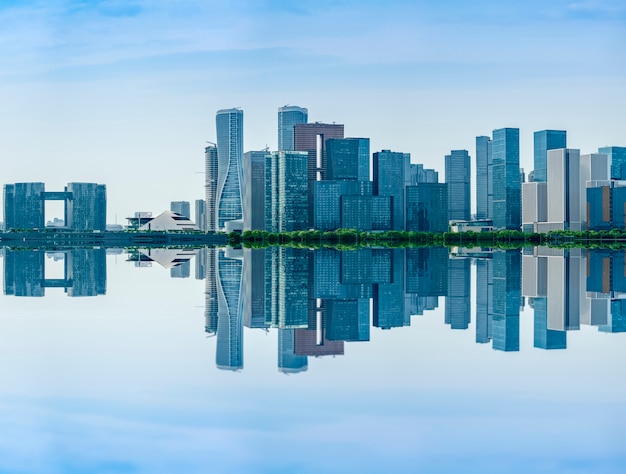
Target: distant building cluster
(320, 179)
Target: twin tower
(85, 206)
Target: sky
(124, 93)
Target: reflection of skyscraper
(427, 271)
(484, 287)
(24, 273)
(506, 299)
(388, 304)
(210, 292)
(288, 361)
(182, 270)
(201, 219)
(545, 338)
(86, 270)
(253, 290)
(229, 352)
(288, 117)
(458, 299)
(229, 125)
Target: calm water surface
(285, 360)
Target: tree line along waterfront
(504, 239)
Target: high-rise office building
(427, 207)
(24, 206)
(85, 206)
(181, 207)
(389, 179)
(254, 190)
(348, 159)
(210, 186)
(201, 217)
(311, 137)
(484, 183)
(229, 126)
(286, 199)
(546, 140)
(288, 116)
(458, 172)
(507, 185)
(617, 160)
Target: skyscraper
(210, 186)
(458, 172)
(617, 160)
(546, 140)
(229, 125)
(85, 206)
(389, 180)
(348, 159)
(311, 137)
(507, 184)
(288, 116)
(285, 203)
(201, 219)
(24, 206)
(484, 183)
(254, 190)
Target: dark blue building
(427, 207)
(458, 173)
(507, 183)
(389, 180)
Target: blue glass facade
(484, 185)
(85, 207)
(507, 184)
(458, 172)
(458, 298)
(505, 300)
(288, 116)
(427, 207)
(341, 204)
(546, 140)
(229, 126)
(389, 180)
(545, 338)
(617, 159)
(24, 206)
(348, 158)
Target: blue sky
(125, 92)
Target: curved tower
(229, 125)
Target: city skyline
(133, 87)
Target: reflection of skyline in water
(320, 300)
(348, 293)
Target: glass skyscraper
(484, 183)
(85, 206)
(458, 172)
(546, 140)
(617, 160)
(210, 186)
(24, 206)
(507, 183)
(288, 116)
(348, 158)
(389, 180)
(229, 125)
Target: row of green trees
(350, 238)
